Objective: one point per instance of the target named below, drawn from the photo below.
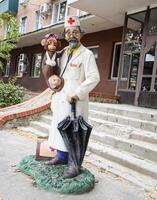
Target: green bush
(10, 93)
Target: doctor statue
(79, 71)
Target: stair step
(128, 174)
(34, 131)
(128, 160)
(46, 118)
(123, 131)
(144, 136)
(40, 126)
(142, 149)
(126, 110)
(111, 127)
(134, 122)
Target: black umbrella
(75, 132)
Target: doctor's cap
(71, 21)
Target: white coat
(80, 77)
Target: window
(22, 63)
(94, 49)
(23, 25)
(6, 29)
(37, 20)
(6, 69)
(36, 65)
(18, 68)
(132, 48)
(153, 22)
(115, 61)
(59, 11)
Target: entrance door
(148, 93)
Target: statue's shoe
(56, 161)
(71, 172)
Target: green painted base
(51, 177)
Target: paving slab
(15, 185)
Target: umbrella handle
(73, 108)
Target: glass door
(148, 93)
(149, 69)
(130, 57)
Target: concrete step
(34, 131)
(142, 149)
(144, 136)
(46, 118)
(123, 131)
(133, 122)
(128, 174)
(112, 128)
(126, 110)
(40, 126)
(131, 161)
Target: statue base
(51, 177)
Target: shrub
(10, 93)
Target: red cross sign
(71, 21)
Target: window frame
(6, 72)
(39, 26)
(32, 72)
(55, 21)
(20, 75)
(94, 47)
(113, 60)
(20, 27)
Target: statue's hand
(54, 82)
(71, 97)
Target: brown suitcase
(43, 152)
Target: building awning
(112, 10)
(89, 24)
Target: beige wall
(32, 7)
(29, 11)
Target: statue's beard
(73, 42)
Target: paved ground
(14, 185)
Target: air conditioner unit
(24, 2)
(45, 9)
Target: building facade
(37, 19)
(137, 65)
(123, 39)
